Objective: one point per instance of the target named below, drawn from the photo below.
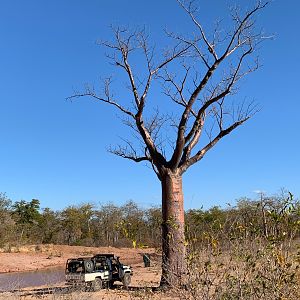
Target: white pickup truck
(98, 271)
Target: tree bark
(173, 242)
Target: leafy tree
(76, 223)
(6, 222)
(26, 215)
(105, 225)
(50, 227)
(153, 223)
(132, 224)
(26, 212)
(5, 203)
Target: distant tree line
(274, 219)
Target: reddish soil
(38, 257)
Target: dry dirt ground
(39, 257)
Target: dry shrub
(249, 270)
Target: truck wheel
(126, 280)
(97, 285)
(89, 266)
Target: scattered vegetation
(246, 251)
(249, 251)
(273, 219)
(127, 225)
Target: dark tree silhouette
(199, 73)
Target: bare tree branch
(189, 11)
(199, 155)
(219, 58)
(107, 99)
(198, 124)
(128, 151)
(236, 42)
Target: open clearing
(41, 257)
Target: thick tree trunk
(173, 239)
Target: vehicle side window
(98, 266)
(75, 267)
(101, 265)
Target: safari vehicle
(96, 272)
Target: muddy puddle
(15, 281)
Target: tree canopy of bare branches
(199, 74)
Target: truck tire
(89, 266)
(126, 280)
(97, 285)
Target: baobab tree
(198, 74)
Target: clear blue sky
(55, 150)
